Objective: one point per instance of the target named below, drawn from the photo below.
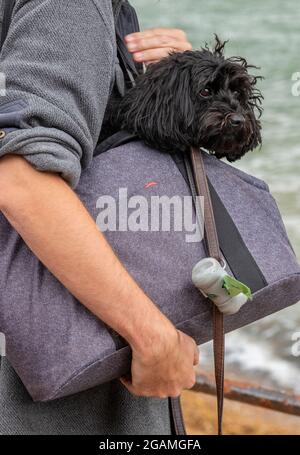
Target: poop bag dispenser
(227, 293)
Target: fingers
(141, 391)
(154, 44)
(173, 32)
(131, 388)
(152, 55)
(127, 383)
(167, 370)
(162, 392)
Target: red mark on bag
(150, 185)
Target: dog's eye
(206, 93)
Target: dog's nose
(236, 119)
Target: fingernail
(129, 37)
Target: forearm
(57, 228)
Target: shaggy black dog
(195, 98)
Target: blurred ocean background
(267, 33)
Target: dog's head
(196, 98)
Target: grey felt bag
(58, 348)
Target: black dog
(195, 98)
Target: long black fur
(170, 110)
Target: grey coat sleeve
(58, 60)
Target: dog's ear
(160, 106)
(256, 97)
(180, 88)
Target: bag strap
(126, 21)
(212, 243)
(116, 140)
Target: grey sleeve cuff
(47, 149)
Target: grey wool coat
(59, 59)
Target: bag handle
(212, 244)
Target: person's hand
(166, 370)
(153, 44)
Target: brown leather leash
(212, 244)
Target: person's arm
(58, 229)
